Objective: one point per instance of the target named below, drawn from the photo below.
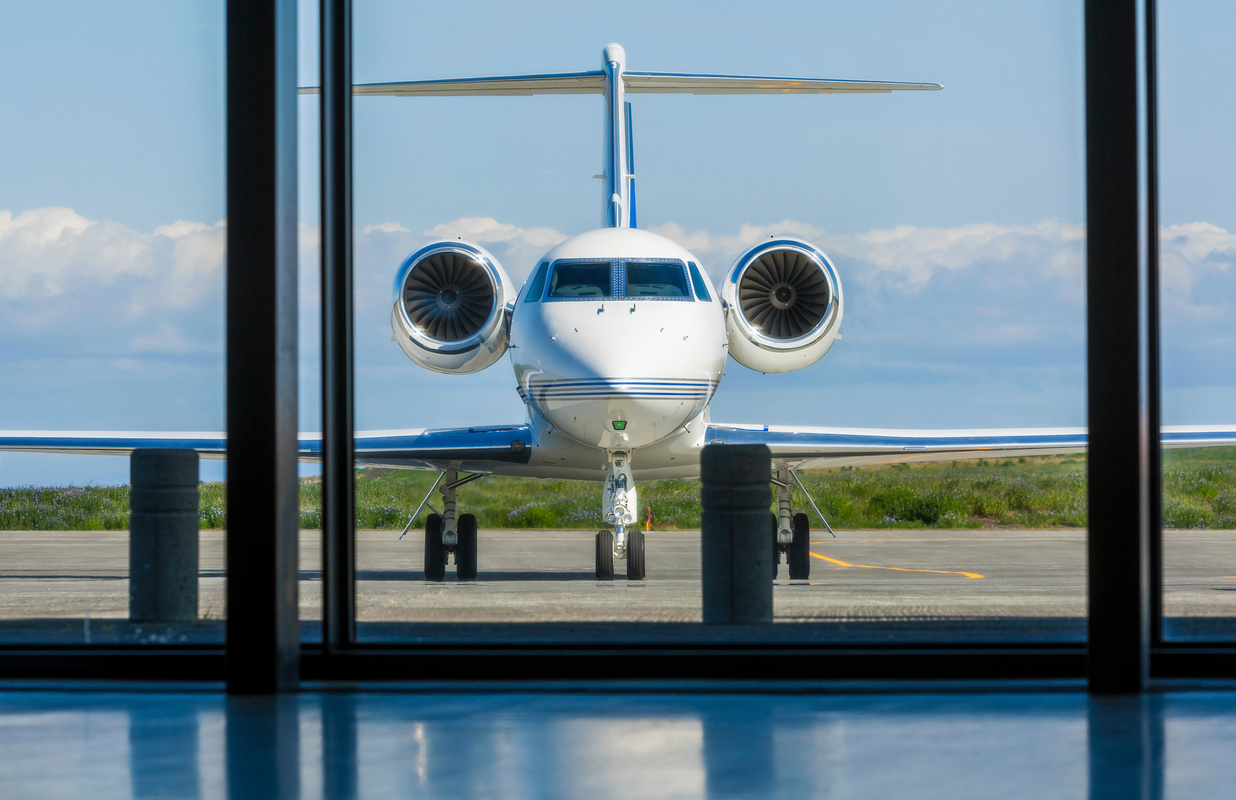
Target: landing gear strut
(446, 534)
(791, 533)
(619, 504)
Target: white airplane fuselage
(602, 371)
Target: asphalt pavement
(884, 583)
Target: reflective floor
(73, 743)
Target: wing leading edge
(476, 449)
(817, 448)
(497, 448)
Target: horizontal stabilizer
(637, 82)
(685, 83)
(561, 83)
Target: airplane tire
(776, 547)
(605, 555)
(800, 549)
(465, 551)
(435, 552)
(635, 556)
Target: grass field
(1199, 488)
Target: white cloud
(515, 247)
(907, 256)
(487, 230)
(1190, 254)
(725, 248)
(99, 284)
(48, 252)
(380, 248)
(386, 227)
(180, 227)
(104, 286)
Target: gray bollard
(736, 547)
(163, 531)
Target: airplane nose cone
(649, 366)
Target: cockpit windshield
(651, 279)
(590, 279)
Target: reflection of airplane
(618, 341)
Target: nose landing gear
(619, 502)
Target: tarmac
(881, 584)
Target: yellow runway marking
(840, 563)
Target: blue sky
(956, 218)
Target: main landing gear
(619, 504)
(446, 534)
(791, 533)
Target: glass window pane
(580, 280)
(701, 286)
(649, 279)
(112, 237)
(961, 277)
(537, 287)
(1197, 169)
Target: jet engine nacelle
(450, 311)
(783, 306)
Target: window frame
(618, 281)
(689, 297)
(1115, 29)
(546, 297)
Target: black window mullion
(338, 420)
(1119, 484)
(263, 641)
(1154, 459)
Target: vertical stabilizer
(617, 172)
(631, 164)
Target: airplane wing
(495, 448)
(593, 82)
(110, 443)
(476, 449)
(817, 448)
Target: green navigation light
(620, 424)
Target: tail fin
(631, 166)
(613, 81)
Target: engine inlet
(784, 294)
(449, 296)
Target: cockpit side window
(536, 287)
(590, 279)
(700, 284)
(653, 279)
